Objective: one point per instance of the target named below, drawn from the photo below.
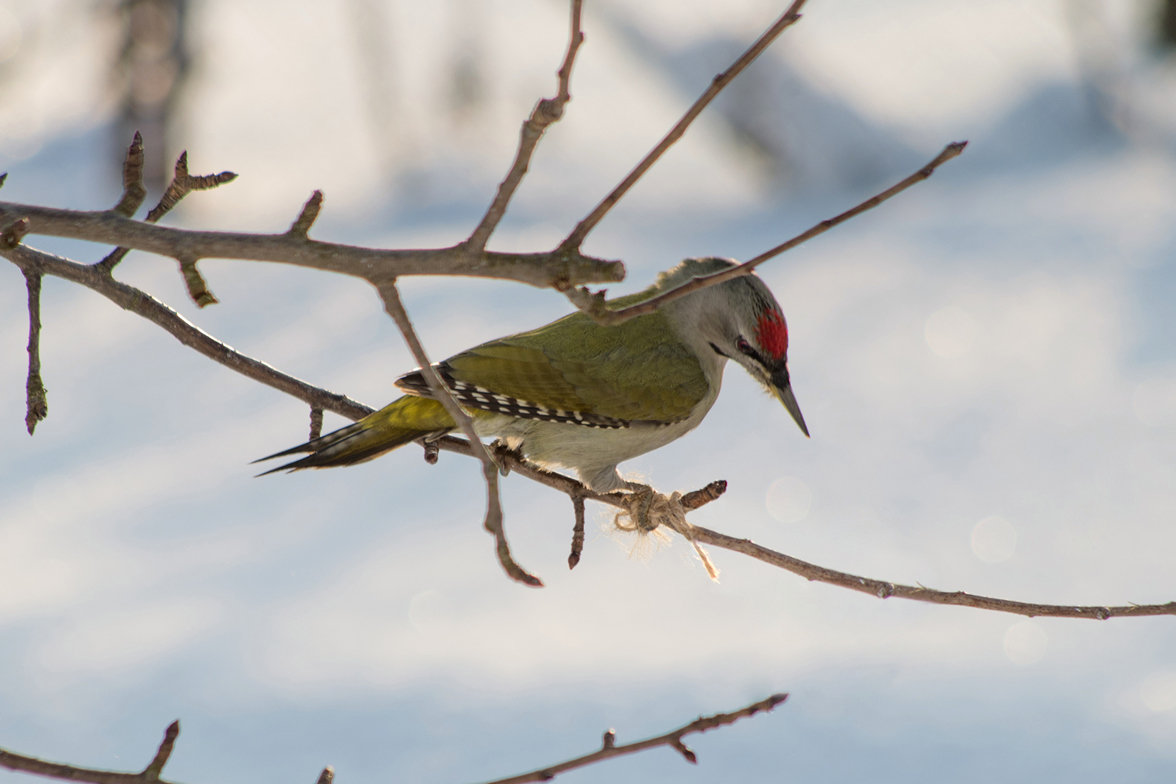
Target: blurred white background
(987, 366)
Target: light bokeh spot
(994, 539)
(1158, 691)
(1025, 643)
(424, 608)
(789, 499)
(950, 332)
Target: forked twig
(596, 306)
(673, 739)
(182, 184)
(143, 304)
(576, 238)
(546, 112)
(56, 770)
(609, 749)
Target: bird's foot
(503, 454)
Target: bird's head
(765, 356)
(741, 320)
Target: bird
(583, 396)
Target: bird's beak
(782, 389)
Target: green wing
(627, 372)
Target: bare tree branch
(143, 304)
(609, 749)
(56, 770)
(544, 270)
(572, 243)
(883, 589)
(151, 774)
(140, 302)
(546, 112)
(596, 306)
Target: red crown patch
(772, 333)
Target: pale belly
(592, 452)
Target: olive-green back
(575, 364)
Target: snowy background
(987, 365)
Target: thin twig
(696, 498)
(316, 422)
(595, 305)
(184, 183)
(307, 216)
(194, 282)
(576, 238)
(577, 530)
(36, 403)
(133, 189)
(673, 739)
(493, 520)
(546, 112)
(163, 753)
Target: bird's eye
(744, 347)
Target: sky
(986, 365)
